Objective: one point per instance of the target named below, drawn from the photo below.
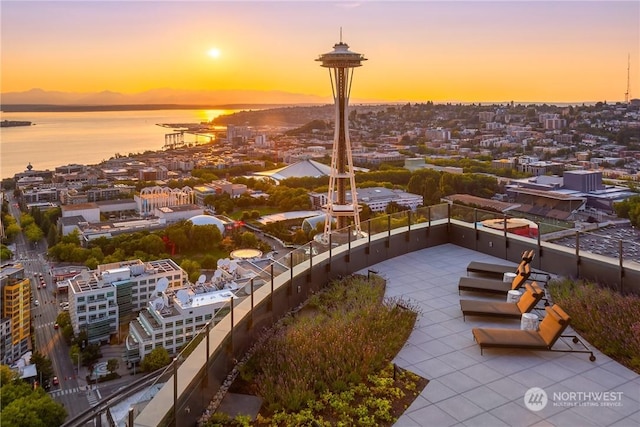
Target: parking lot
(606, 241)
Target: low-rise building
(101, 300)
(173, 316)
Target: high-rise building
(15, 314)
(341, 62)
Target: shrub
(608, 320)
(352, 334)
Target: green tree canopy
(43, 365)
(36, 409)
(112, 365)
(158, 358)
(7, 375)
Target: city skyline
(446, 51)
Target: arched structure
(151, 198)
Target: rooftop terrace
(423, 262)
(470, 389)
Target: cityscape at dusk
(443, 51)
(349, 213)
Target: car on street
(55, 381)
(56, 326)
(36, 303)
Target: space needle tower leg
(341, 62)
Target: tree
(7, 375)
(152, 244)
(52, 235)
(209, 262)
(204, 237)
(12, 230)
(13, 391)
(37, 409)
(67, 333)
(91, 354)
(33, 233)
(158, 358)
(192, 268)
(249, 239)
(76, 354)
(112, 365)
(43, 365)
(5, 253)
(63, 319)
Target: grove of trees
(23, 405)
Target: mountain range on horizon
(159, 97)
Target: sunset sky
(466, 51)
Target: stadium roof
(547, 194)
(305, 168)
(482, 202)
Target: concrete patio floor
(470, 389)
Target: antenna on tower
(340, 34)
(626, 94)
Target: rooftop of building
(467, 388)
(79, 207)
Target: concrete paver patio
(470, 389)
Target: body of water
(61, 138)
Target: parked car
(55, 326)
(36, 303)
(55, 381)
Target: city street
(48, 340)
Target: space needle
(341, 63)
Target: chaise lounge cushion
(551, 327)
(533, 294)
(478, 284)
(508, 338)
(497, 270)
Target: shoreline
(56, 108)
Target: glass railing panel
(378, 224)
(438, 212)
(300, 255)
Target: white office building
(175, 315)
(101, 300)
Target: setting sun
(214, 52)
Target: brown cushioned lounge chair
(531, 297)
(493, 286)
(551, 328)
(496, 271)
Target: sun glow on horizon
(428, 51)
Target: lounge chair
(493, 286)
(531, 297)
(496, 271)
(550, 330)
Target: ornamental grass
(607, 319)
(326, 360)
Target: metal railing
(195, 382)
